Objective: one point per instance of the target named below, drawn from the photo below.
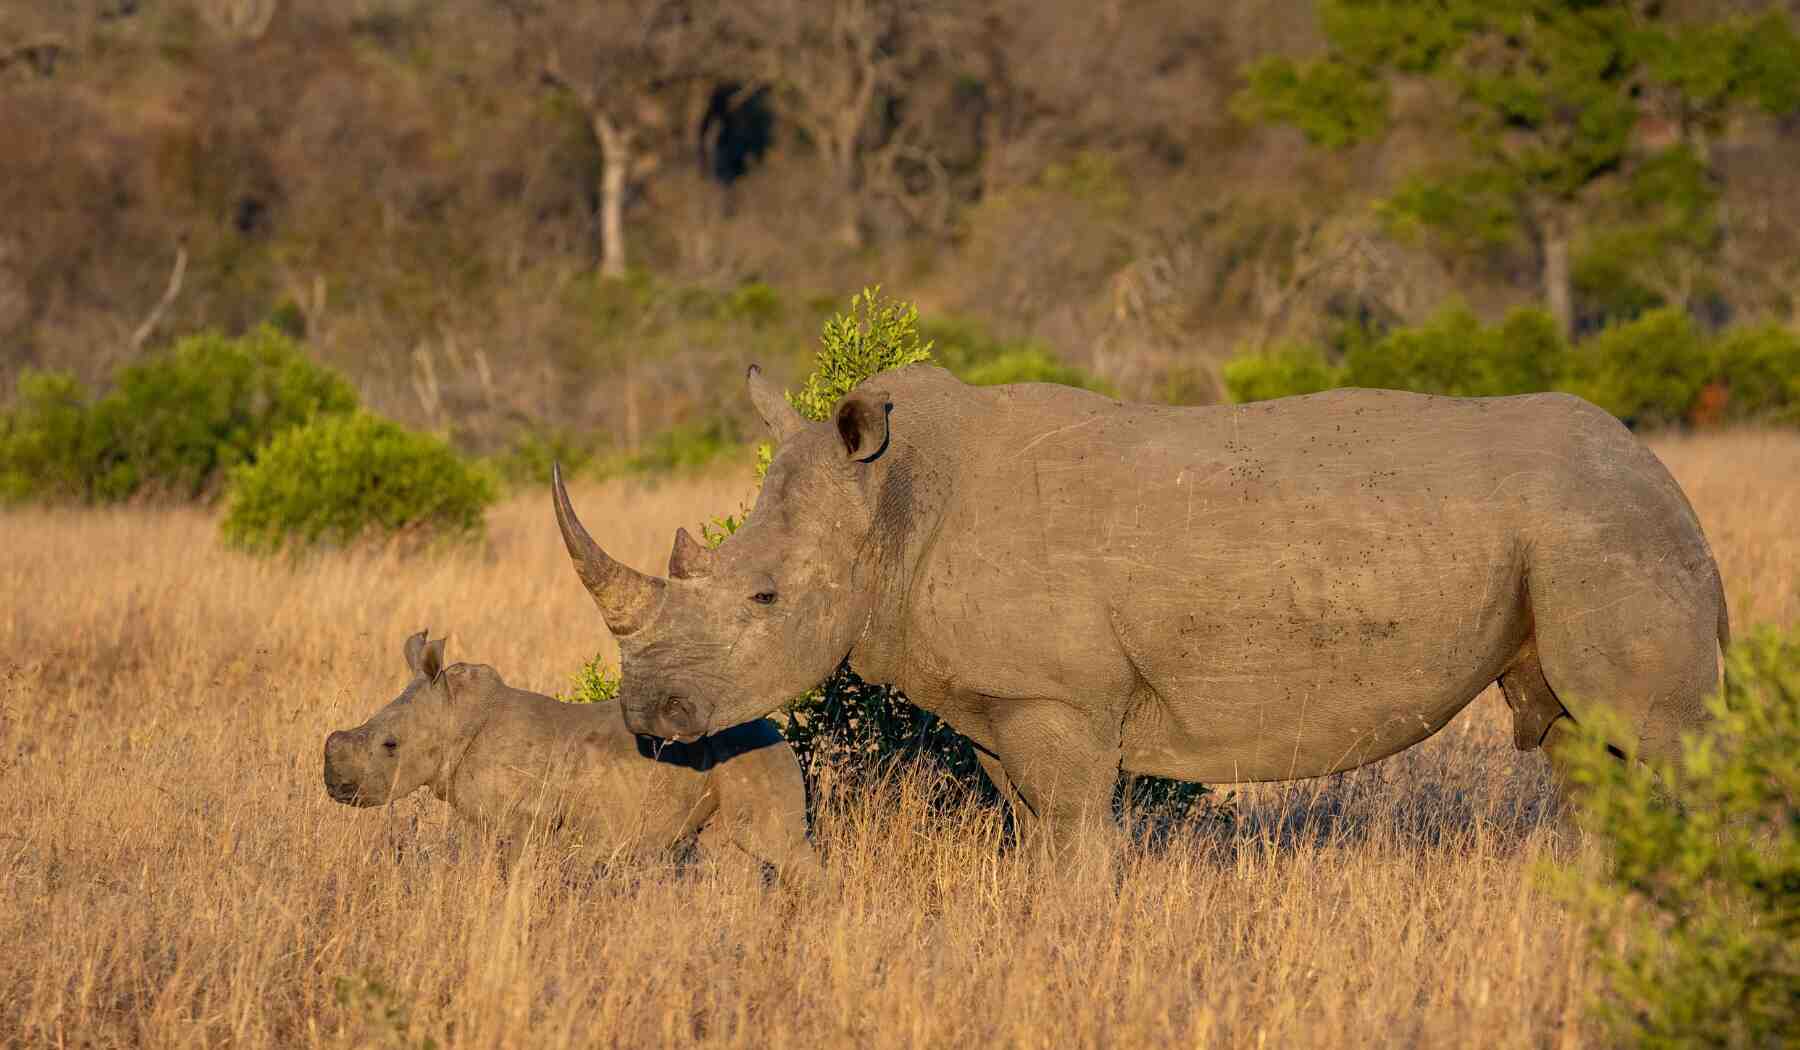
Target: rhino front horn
(627, 598)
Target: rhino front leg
(1059, 767)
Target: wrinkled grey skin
(526, 764)
(1235, 593)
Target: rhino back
(1279, 589)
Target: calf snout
(340, 781)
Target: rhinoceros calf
(522, 762)
(1233, 593)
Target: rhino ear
(689, 560)
(772, 405)
(862, 423)
(415, 650)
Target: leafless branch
(176, 274)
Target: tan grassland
(172, 873)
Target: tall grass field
(172, 873)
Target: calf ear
(862, 424)
(415, 650)
(689, 560)
(431, 660)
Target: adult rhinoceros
(1244, 593)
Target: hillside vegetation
(525, 224)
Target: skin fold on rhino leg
(1058, 768)
(1540, 721)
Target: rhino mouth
(346, 793)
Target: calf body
(524, 763)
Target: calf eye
(391, 744)
(763, 597)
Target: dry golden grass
(172, 873)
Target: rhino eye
(763, 597)
(391, 744)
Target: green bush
(876, 335)
(977, 357)
(49, 445)
(1696, 921)
(1033, 364)
(1761, 368)
(1647, 371)
(343, 478)
(1281, 372)
(1454, 354)
(173, 424)
(595, 683)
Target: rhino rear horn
(627, 598)
(689, 560)
(772, 405)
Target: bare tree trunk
(143, 333)
(1556, 274)
(615, 166)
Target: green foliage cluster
(343, 478)
(1656, 369)
(1549, 96)
(1696, 922)
(875, 335)
(174, 423)
(595, 683)
(976, 357)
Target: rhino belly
(1317, 649)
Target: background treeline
(538, 226)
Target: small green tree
(341, 479)
(1696, 920)
(1549, 95)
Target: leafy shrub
(1454, 354)
(1282, 372)
(342, 478)
(174, 423)
(977, 357)
(1647, 371)
(1033, 364)
(1761, 369)
(49, 446)
(876, 335)
(1696, 922)
(595, 683)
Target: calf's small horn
(627, 598)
